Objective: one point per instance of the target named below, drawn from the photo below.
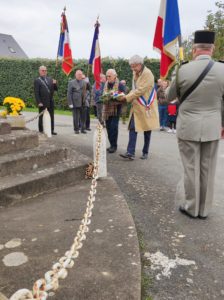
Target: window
(11, 50)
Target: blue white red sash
(152, 97)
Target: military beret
(204, 37)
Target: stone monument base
(5, 127)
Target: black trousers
(87, 117)
(79, 118)
(51, 112)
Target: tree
(215, 22)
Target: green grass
(56, 111)
(146, 281)
(34, 109)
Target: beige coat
(144, 120)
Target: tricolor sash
(148, 103)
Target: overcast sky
(127, 26)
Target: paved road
(182, 258)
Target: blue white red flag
(95, 58)
(64, 49)
(166, 35)
(148, 103)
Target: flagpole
(56, 64)
(96, 24)
(181, 51)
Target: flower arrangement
(14, 106)
(111, 96)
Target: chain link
(58, 271)
(36, 117)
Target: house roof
(9, 48)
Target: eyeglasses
(108, 76)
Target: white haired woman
(112, 109)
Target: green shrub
(17, 76)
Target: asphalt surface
(182, 258)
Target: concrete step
(18, 140)
(28, 160)
(16, 188)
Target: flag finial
(97, 21)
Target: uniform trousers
(51, 112)
(199, 162)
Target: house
(9, 48)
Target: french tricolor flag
(95, 59)
(167, 34)
(64, 49)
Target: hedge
(17, 76)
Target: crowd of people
(200, 119)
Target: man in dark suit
(76, 96)
(44, 88)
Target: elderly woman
(144, 115)
(112, 109)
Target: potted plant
(12, 112)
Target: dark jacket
(44, 90)
(161, 96)
(76, 93)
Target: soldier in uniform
(199, 85)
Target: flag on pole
(64, 49)
(95, 59)
(167, 33)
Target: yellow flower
(3, 113)
(14, 113)
(13, 105)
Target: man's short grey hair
(135, 60)
(42, 67)
(112, 71)
(203, 46)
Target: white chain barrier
(34, 118)
(51, 279)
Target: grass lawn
(34, 109)
(56, 112)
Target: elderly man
(96, 98)
(112, 109)
(76, 96)
(144, 112)
(44, 88)
(199, 85)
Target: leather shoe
(89, 129)
(112, 150)
(128, 156)
(186, 213)
(202, 217)
(76, 131)
(83, 131)
(54, 133)
(144, 156)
